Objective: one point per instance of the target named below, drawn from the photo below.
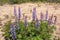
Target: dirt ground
(26, 8)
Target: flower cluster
(13, 33)
(24, 30)
(34, 14)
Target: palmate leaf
(39, 38)
(19, 36)
(36, 38)
(21, 26)
(44, 26)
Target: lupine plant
(34, 14)
(15, 11)
(46, 15)
(37, 23)
(19, 13)
(36, 29)
(25, 21)
(13, 33)
(41, 16)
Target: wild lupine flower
(16, 23)
(25, 21)
(50, 20)
(34, 14)
(55, 19)
(15, 11)
(19, 13)
(16, 18)
(13, 33)
(15, 14)
(16, 26)
(41, 16)
(46, 14)
(37, 23)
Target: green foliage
(3, 2)
(31, 32)
(23, 1)
(6, 29)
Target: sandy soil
(26, 9)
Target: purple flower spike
(15, 11)
(37, 23)
(41, 16)
(19, 13)
(55, 19)
(25, 21)
(50, 20)
(34, 14)
(16, 26)
(12, 29)
(46, 14)
(15, 14)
